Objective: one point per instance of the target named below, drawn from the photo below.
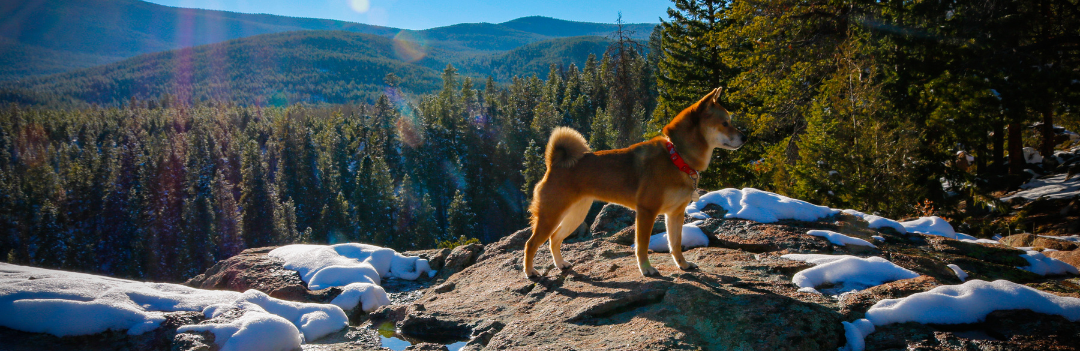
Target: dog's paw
(690, 266)
(564, 266)
(531, 274)
(648, 271)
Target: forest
(849, 104)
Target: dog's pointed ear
(716, 95)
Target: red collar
(678, 161)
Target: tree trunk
(999, 145)
(1016, 149)
(1047, 148)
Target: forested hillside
(298, 67)
(161, 190)
(54, 36)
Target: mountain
(560, 28)
(53, 36)
(111, 30)
(302, 66)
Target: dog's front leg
(643, 230)
(674, 238)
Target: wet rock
(426, 346)
(1038, 242)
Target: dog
(657, 176)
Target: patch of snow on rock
(759, 206)
(692, 236)
(1042, 265)
(970, 303)
(1054, 187)
(877, 222)
(342, 265)
(854, 273)
(840, 239)
(959, 272)
(65, 303)
(932, 225)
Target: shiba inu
(657, 176)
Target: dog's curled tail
(565, 147)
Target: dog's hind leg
(571, 220)
(548, 216)
(673, 221)
(643, 230)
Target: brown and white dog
(643, 177)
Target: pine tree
(532, 169)
(691, 58)
(461, 218)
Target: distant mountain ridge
(62, 35)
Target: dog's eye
(724, 124)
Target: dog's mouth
(729, 143)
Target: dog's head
(715, 122)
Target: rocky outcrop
(1070, 257)
(740, 297)
(253, 269)
(1038, 242)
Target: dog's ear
(716, 95)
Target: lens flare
(409, 46)
(360, 6)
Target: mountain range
(108, 51)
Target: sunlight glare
(360, 6)
(409, 46)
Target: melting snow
(959, 272)
(853, 273)
(934, 225)
(1042, 265)
(1053, 188)
(65, 303)
(759, 206)
(877, 222)
(360, 268)
(840, 239)
(692, 236)
(960, 304)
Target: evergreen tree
(690, 57)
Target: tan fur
(641, 177)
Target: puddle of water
(390, 339)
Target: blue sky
(423, 14)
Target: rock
(1038, 242)
(1002, 330)
(596, 307)
(460, 258)
(425, 346)
(756, 237)
(612, 218)
(254, 269)
(1070, 257)
(854, 306)
(435, 257)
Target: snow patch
(692, 236)
(877, 222)
(840, 239)
(851, 272)
(65, 303)
(1042, 265)
(959, 272)
(855, 333)
(1054, 187)
(932, 225)
(759, 206)
(354, 266)
(970, 303)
